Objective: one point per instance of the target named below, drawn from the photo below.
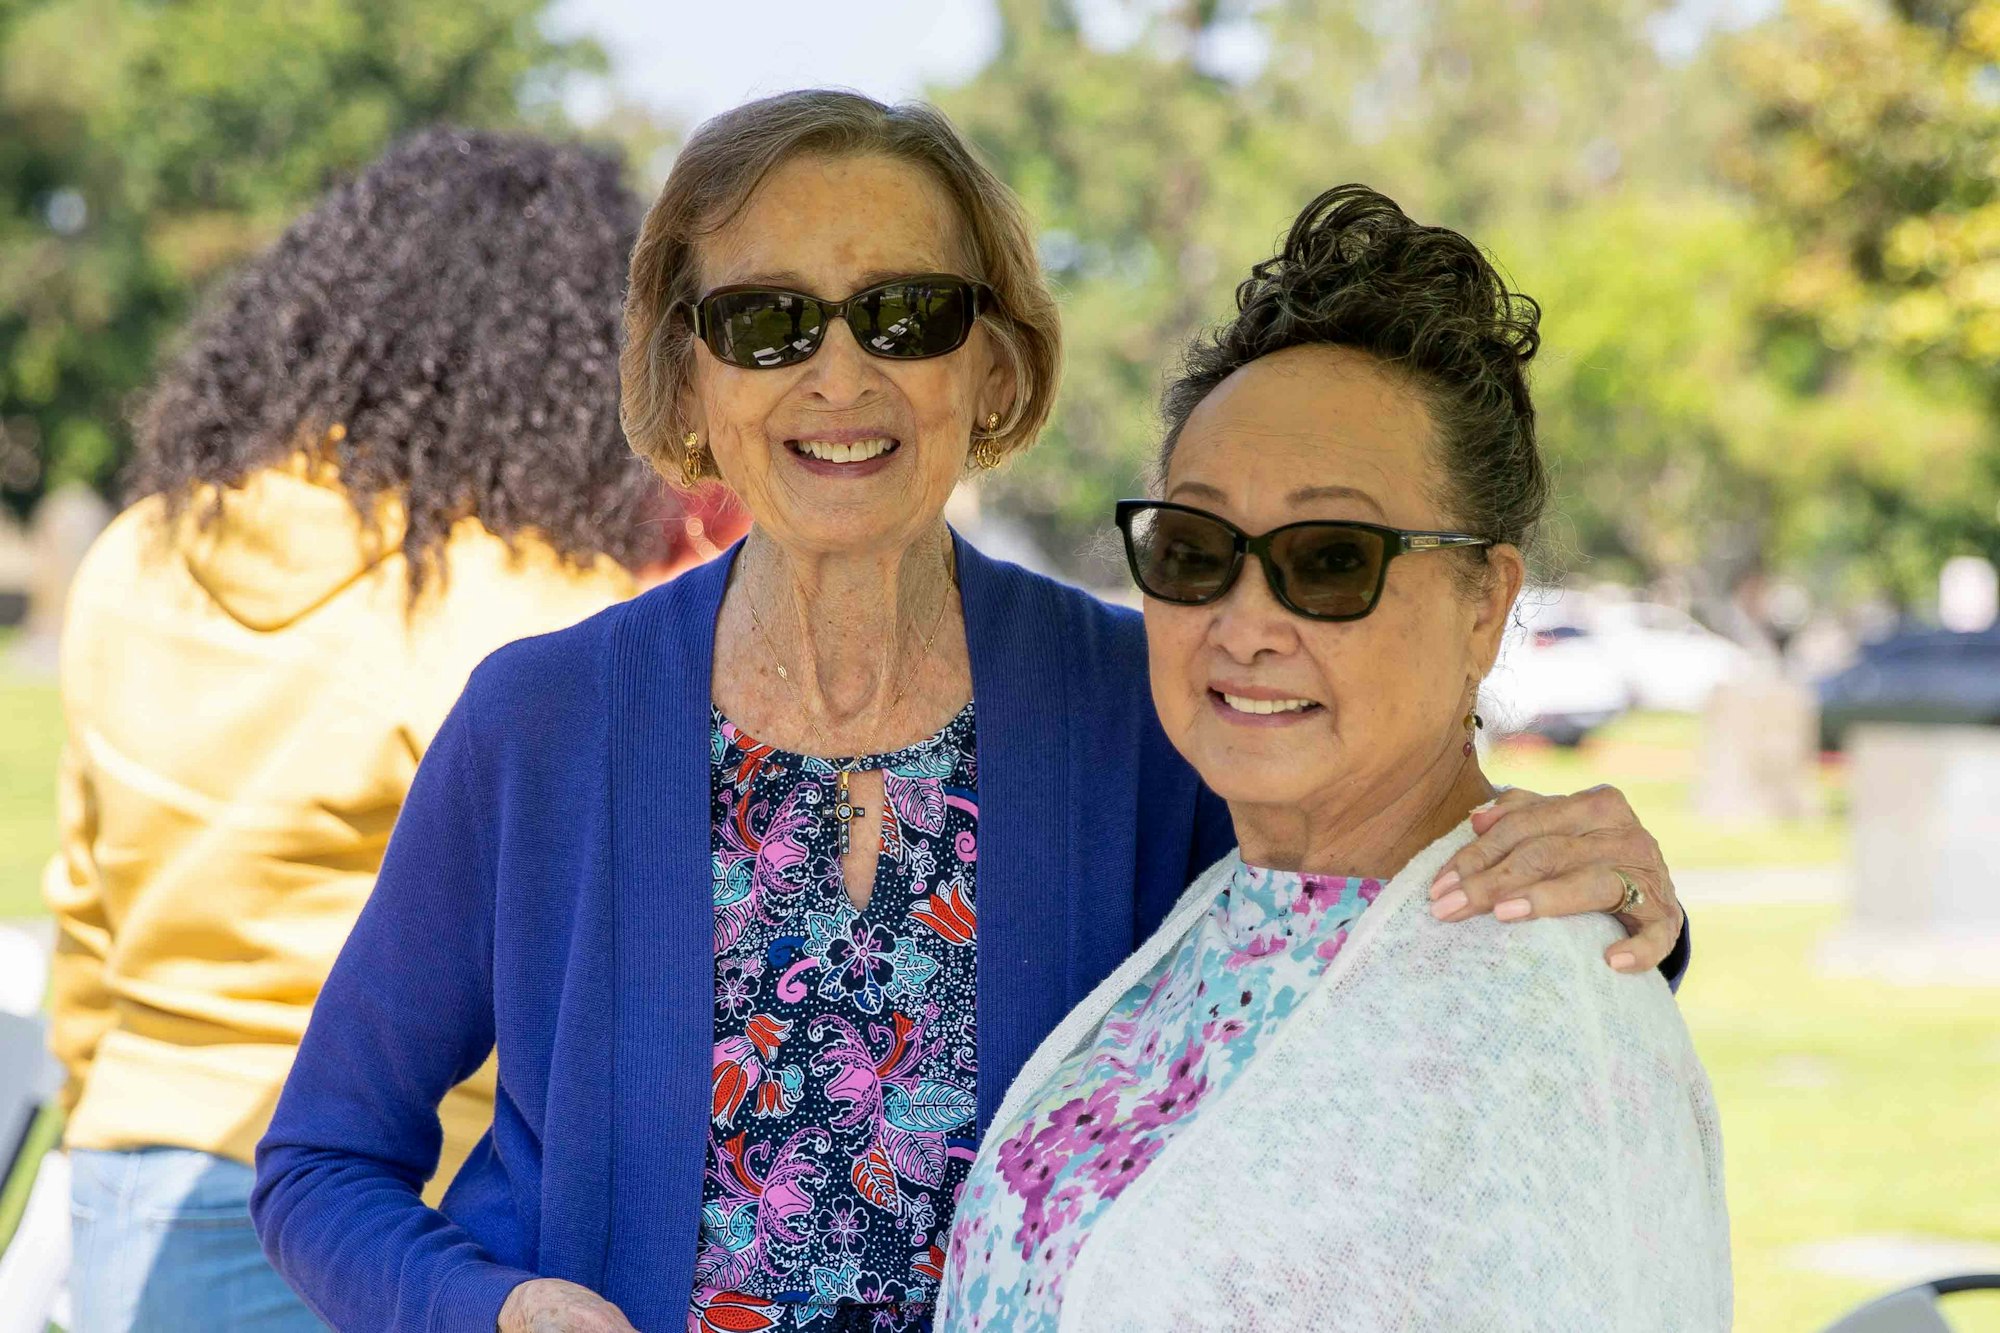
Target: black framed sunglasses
(903, 319)
(1319, 569)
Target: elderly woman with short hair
(1304, 1103)
(765, 884)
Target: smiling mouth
(1264, 707)
(851, 451)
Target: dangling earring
(985, 452)
(1474, 724)
(694, 461)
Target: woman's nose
(840, 372)
(1249, 621)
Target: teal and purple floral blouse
(1167, 1049)
(845, 1054)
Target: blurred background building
(1767, 240)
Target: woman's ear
(1506, 573)
(1001, 389)
(688, 415)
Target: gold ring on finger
(1635, 897)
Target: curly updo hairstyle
(443, 329)
(1357, 272)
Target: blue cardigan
(547, 891)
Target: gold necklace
(844, 809)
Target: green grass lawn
(1652, 759)
(1849, 1108)
(30, 737)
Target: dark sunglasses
(904, 319)
(1319, 570)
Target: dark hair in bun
(1357, 272)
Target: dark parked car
(1917, 676)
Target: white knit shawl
(1476, 1126)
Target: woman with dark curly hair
(390, 446)
(1307, 1102)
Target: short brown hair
(722, 164)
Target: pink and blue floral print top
(843, 1119)
(1167, 1049)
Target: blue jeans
(163, 1244)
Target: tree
(1161, 170)
(1708, 405)
(144, 148)
(1870, 146)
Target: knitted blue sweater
(547, 892)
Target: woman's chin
(1273, 779)
(849, 524)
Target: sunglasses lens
(760, 329)
(912, 319)
(1330, 569)
(1178, 556)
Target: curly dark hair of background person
(455, 311)
(1357, 272)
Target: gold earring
(985, 450)
(693, 461)
(1473, 725)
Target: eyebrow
(1304, 495)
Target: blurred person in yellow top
(390, 446)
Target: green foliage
(1771, 273)
(1870, 142)
(145, 147)
(1702, 429)
(1161, 176)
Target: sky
(689, 59)
(693, 58)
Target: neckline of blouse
(864, 763)
(1256, 896)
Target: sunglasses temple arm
(1437, 541)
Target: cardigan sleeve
(406, 1014)
(1674, 967)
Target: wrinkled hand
(1541, 856)
(549, 1305)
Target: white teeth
(1266, 706)
(860, 451)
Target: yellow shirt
(247, 703)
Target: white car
(1555, 679)
(1668, 661)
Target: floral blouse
(1168, 1047)
(845, 1057)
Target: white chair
(34, 1266)
(24, 973)
(34, 1270)
(1913, 1309)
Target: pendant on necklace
(847, 812)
